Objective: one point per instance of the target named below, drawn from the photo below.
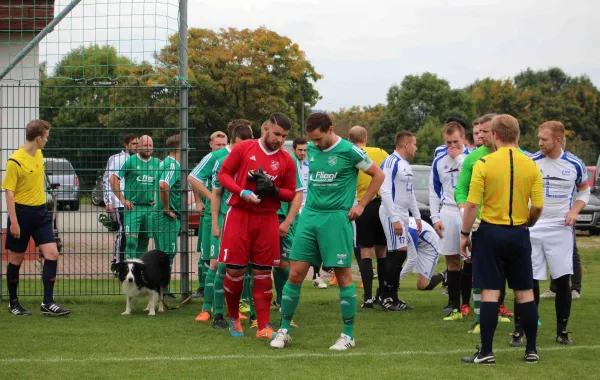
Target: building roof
(25, 15)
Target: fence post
(183, 124)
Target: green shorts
(324, 237)
(165, 231)
(138, 222)
(215, 243)
(285, 243)
(204, 241)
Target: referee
(370, 237)
(504, 182)
(29, 218)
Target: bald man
(138, 172)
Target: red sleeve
(287, 191)
(229, 169)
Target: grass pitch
(96, 342)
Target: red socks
(263, 294)
(233, 290)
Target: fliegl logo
(323, 177)
(145, 178)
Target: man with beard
(259, 176)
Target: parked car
(421, 189)
(60, 171)
(589, 217)
(193, 216)
(52, 205)
(591, 176)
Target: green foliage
(532, 97)
(96, 95)
(244, 74)
(416, 99)
(429, 137)
(366, 117)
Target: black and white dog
(147, 276)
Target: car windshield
(421, 178)
(59, 168)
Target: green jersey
(139, 179)
(169, 172)
(216, 185)
(332, 175)
(300, 186)
(203, 171)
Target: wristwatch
(463, 233)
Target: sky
(363, 47)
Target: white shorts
(451, 220)
(552, 245)
(428, 255)
(394, 242)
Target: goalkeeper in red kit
(259, 175)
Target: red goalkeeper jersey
(250, 155)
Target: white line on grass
(278, 356)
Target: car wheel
(74, 206)
(97, 199)
(594, 232)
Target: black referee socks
(12, 280)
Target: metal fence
(102, 71)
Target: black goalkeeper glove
(264, 185)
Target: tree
(534, 97)
(367, 117)
(429, 137)
(415, 100)
(243, 74)
(92, 98)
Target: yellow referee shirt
(25, 176)
(377, 155)
(506, 180)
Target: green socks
(247, 291)
(200, 274)
(280, 276)
(476, 303)
(209, 290)
(219, 293)
(348, 306)
(289, 303)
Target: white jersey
(113, 167)
(444, 148)
(304, 169)
(423, 253)
(442, 182)
(563, 179)
(397, 193)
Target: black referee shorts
(502, 251)
(34, 222)
(369, 231)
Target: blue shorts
(35, 222)
(502, 251)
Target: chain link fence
(96, 70)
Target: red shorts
(249, 237)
